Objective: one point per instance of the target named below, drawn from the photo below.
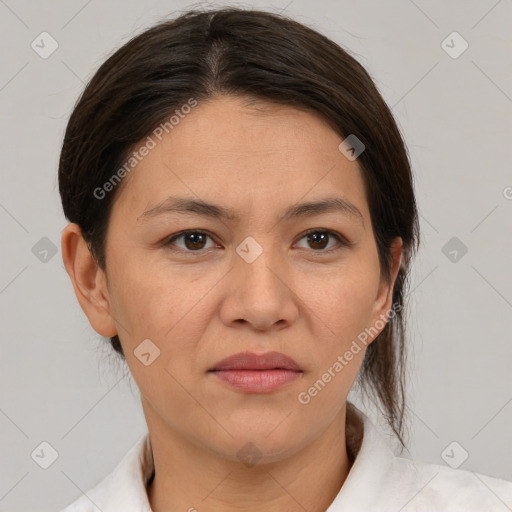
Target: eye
(319, 238)
(194, 240)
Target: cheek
(138, 299)
(166, 305)
(345, 302)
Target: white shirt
(378, 481)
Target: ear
(88, 280)
(384, 298)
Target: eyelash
(342, 241)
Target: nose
(260, 293)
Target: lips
(252, 361)
(248, 372)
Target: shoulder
(124, 489)
(422, 486)
(95, 498)
(380, 481)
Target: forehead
(243, 151)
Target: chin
(252, 447)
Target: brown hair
(261, 55)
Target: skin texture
(201, 306)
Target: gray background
(58, 380)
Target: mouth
(253, 373)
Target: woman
(242, 221)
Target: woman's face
(253, 282)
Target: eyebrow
(182, 205)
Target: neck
(191, 478)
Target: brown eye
(318, 239)
(193, 241)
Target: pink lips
(253, 373)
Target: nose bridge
(259, 294)
(257, 263)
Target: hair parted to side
(265, 56)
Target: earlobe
(88, 280)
